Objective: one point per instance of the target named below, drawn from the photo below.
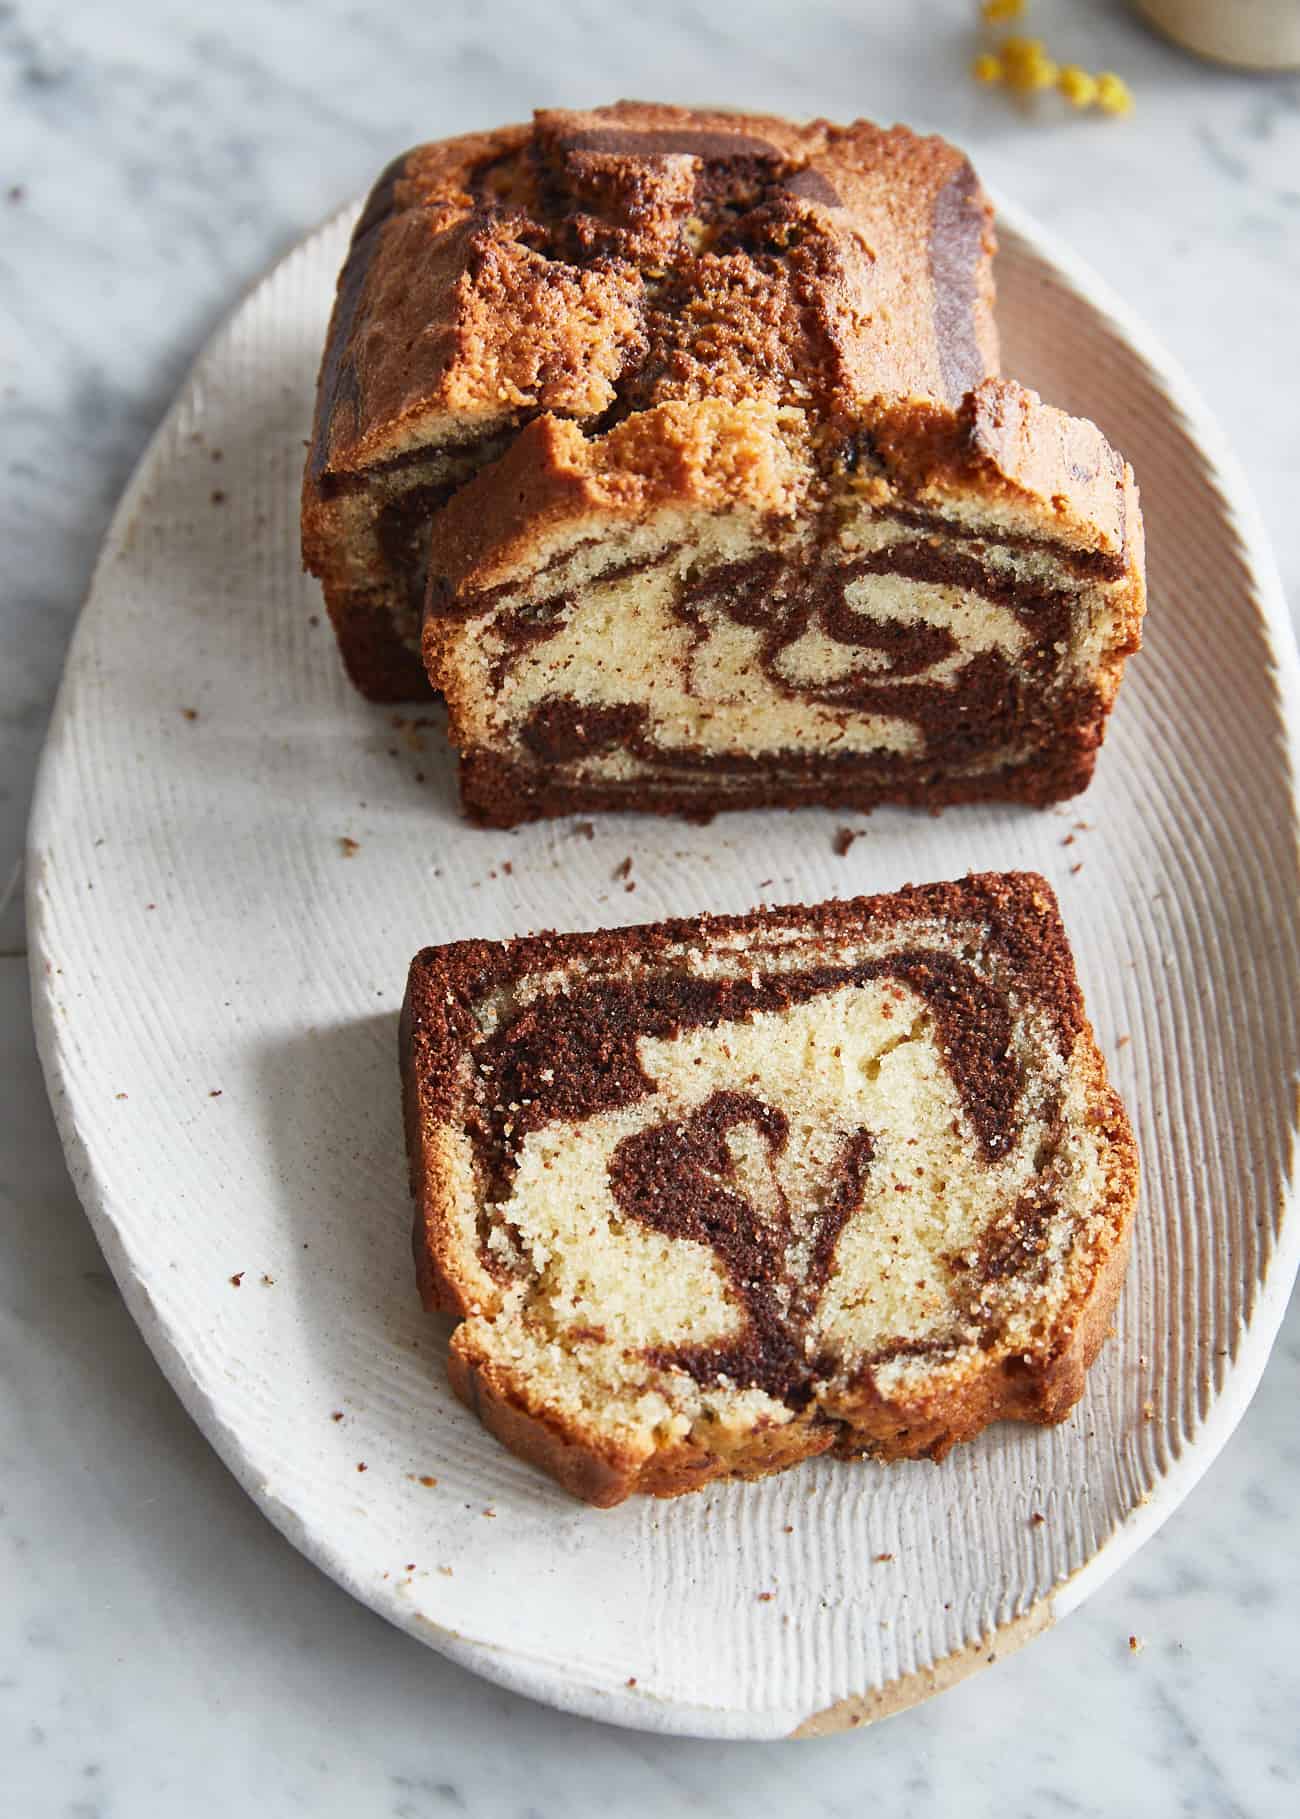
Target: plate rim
(513, 1669)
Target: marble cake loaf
(694, 422)
(712, 1197)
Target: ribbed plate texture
(217, 977)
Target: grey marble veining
(162, 1651)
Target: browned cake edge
(1019, 911)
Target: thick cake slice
(753, 520)
(712, 1197)
(706, 609)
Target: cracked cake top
(601, 263)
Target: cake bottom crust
(498, 792)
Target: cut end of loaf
(711, 1198)
(627, 638)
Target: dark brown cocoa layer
(1099, 565)
(503, 792)
(379, 661)
(1016, 913)
(1015, 1244)
(402, 533)
(984, 711)
(467, 457)
(569, 1055)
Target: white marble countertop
(162, 1650)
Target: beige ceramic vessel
(1250, 34)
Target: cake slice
(686, 429)
(711, 1197)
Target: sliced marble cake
(686, 430)
(711, 1197)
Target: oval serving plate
(232, 859)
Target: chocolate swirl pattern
(895, 655)
(679, 1177)
(767, 1186)
(772, 1187)
(817, 643)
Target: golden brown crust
(707, 456)
(1007, 448)
(1019, 914)
(522, 270)
(604, 1476)
(638, 266)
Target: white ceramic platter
(216, 980)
